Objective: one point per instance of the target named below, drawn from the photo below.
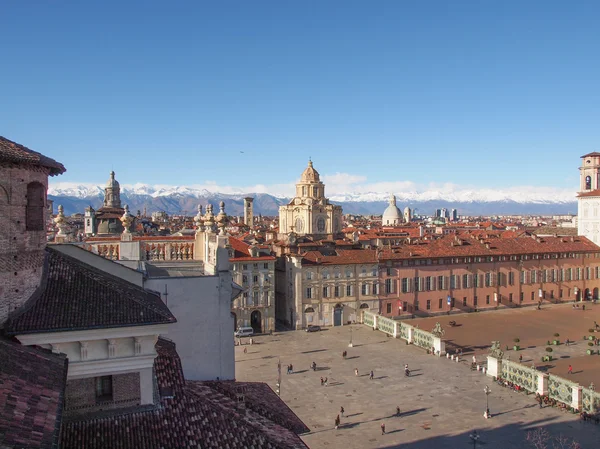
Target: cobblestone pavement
(441, 403)
(475, 331)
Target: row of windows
(496, 298)
(266, 279)
(489, 279)
(337, 291)
(484, 259)
(244, 266)
(255, 299)
(325, 274)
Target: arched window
(34, 217)
(309, 310)
(588, 183)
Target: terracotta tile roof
(242, 252)
(341, 257)
(595, 153)
(77, 296)
(18, 154)
(194, 414)
(489, 243)
(32, 385)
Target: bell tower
(588, 198)
(249, 212)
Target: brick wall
(21, 251)
(80, 396)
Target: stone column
(577, 397)
(146, 386)
(542, 384)
(440, 346)
(396, 330)
(375, 321)
(494, 366)
(410, 334)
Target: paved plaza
(441, 403)
(474, 331)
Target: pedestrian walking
(356, 372)
(245, 350)
(322, 381)
(337, 421)
(371, 375)
(474, 360)
(291, 369)
(251, 341)
(520, 358)
(398, 411)
(570, 370)
(595, 325)
(325, 381)
(383, 428)
(342, 411)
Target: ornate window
(321, 224)
(35, 206)
(588, 183)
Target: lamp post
(278, 377)
(350, 345)
(474, 438)
(487, 392)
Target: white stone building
(588, 199)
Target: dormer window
(35, 206)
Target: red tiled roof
(342, 257)
(13, 152)
(196, 414)
(595, 153)
(242, 252)
(488, 243)
(76, 296)
(32, 385)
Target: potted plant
(549, 351)
(556, 340)
(516, 347)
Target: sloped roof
(77, 296)
(13, 152)
(32, 385)
(194, 414)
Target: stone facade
(21, 249)
(310, 212)
(588, 201)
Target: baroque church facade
(107, 219)
(310, 213)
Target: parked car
(313, 328)
(244, 332)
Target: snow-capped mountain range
(177, 199)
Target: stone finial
(209, 219)
(221, 218)
(438, 331)
(199, 219)
(495, 350)
(126, 219)
(61, 222)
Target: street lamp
(487, 392)
(278, 377)
(474, 438)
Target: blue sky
(380, 94)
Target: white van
(244, 332)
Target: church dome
(392, 215)
(310, 174)
(112, 182)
